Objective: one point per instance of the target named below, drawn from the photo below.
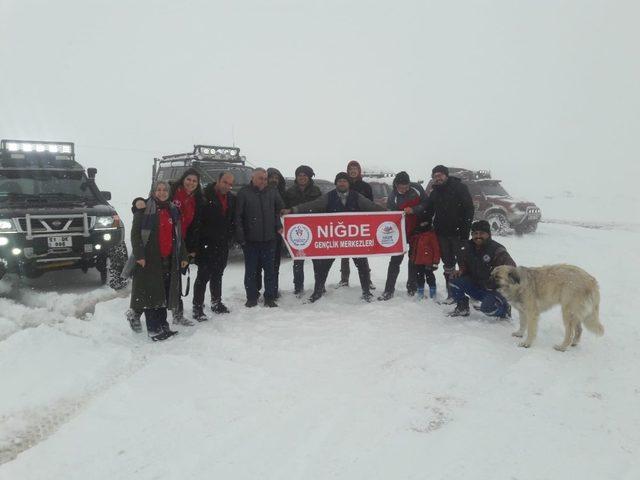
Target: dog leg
(569, 322)
(578, 333)
(523, 327)
(532, 329)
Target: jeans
(492, 303)
(345, 271)
(259, 254)
(298, 275)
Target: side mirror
(91, 172)
(106, 195)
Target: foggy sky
(543, 93)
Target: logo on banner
(388, 234)
(300, 236)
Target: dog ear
(514, 276)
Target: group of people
(183, 223)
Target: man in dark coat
(405, 194)
(213, 232)
(302, 191)
(341, 199)
(449, 208)
(276, 181)
(354, 170)
(257, 223)
(481, 256)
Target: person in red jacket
(405, 194)
(425, 254)
(186, 194)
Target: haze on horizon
(543, 93)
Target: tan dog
(534, 290)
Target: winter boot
(461, 310)
(385, 296)
(367, 296)
(342, 283)
(179, 319)
(432, 292)
(134, 320)
(270, 302)
(250, 303)
(315, 296)
(162, 335)
(198, 314)
(219, 307)
(420, 293)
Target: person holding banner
(354, 170)
(302, 191)
(341, 199)
(405, 194)
(257, 224)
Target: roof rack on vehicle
(213, 153)
(377, 174)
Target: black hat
(402, 178)
(341, 175)
(308, 171)
(481, 226)
(441, 169)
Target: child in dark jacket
(425, 252)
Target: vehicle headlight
(6, 225)
(107, 222)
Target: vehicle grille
(55, 225)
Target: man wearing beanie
(302, 191)
(354, 172)
(341, 199)
(405, 194)
(481, 256)
(449, 208)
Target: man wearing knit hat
(341, 199)
(481, 256)
(302, 191)
(405, 194)
(354, 171)
(450, 209)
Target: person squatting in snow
(203, 225)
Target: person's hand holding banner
(352, 234)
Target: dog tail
(592, 318)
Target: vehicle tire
(498, 222)
(3, 269)
(115, 262)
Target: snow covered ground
(338, 389)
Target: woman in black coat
(160, 254)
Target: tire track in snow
(42, 423)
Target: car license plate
(60, 241)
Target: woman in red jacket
(186, 194)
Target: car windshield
(44, 185)
(241, 176)
(379, 189)
(493, 189)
